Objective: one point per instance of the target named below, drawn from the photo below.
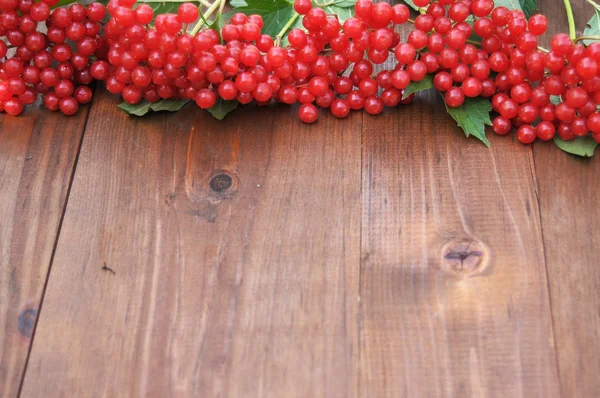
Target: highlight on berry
(485, 58)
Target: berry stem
(594, 4)
(572, 30)
(209, 12)
(287, 25)
(597, 38)
(330, 3)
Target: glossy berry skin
(68, 106)
(308, 113)
(501, 125)
(340, 108)
(545, 131)
(526, 134)
(454, 97)
(206, 98)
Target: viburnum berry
(68, 106)
(340, 108)
(308, 113)
(526, 134)
(302, 7)
(501, 125)
(454, 97)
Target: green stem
(329, 3)
(572, 30)
(209, 12)
(288, 25)
(594, 4)
(597, 38)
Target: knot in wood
(464, 257)
(220, 182)
(26, 322)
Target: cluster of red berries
(239, 63)
(327, 64)
(55, 63)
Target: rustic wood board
(38, 151)
(570, 214)
(454, 297)
(209, 289)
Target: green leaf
(137, 110)
(555, 99)
(582, 146)
(168, 105)
(237, 3)
(510, 4)
(345, 3)
(342, 12)
(217, 24)
(411, 5)
(222, 108)
(472, 117)
(422, 85)
(144, 107)
(592, 28)
(529, 7)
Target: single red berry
(454, 97)
(502, 125)
(308, 113)
(68, 106)
(526, 134)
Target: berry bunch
(55, 63)
(166, 62)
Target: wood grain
(454, 298)
(570, 217)
(232, 260)
(37, 155)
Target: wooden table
(175, 255)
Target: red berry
(340, 108)
(68, 106)
(454, 97)
(308, 113)
(526, 134)
(501, 125)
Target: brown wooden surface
(570, 215)
(37, 155)
(259, 257)
(246, 278)
(433, 323)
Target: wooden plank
(454, 298)
(570, 218)
(569, 190)
(232, 255)
(37, 155)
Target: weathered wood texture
(260, 257)
(454, 298)
(248, 289)
(570, 214)
(37, 155)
